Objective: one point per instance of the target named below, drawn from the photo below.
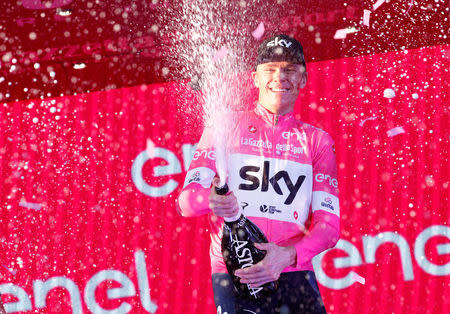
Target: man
(282, 173)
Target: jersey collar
(272, 118)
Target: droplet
(389, 93)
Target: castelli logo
(252, 129)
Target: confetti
(35, 206)
(378, 4)
(366, 17)
(259, 31)
(410, 6)
(359, 278)
(11, 271)
(389, 93)
(364, 121)
(150, 148)
(415, 96)
(395, 131)
(220, 54)
(340, 34)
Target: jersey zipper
(274, 140)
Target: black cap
(280, 48)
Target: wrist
(292, 255)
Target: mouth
(280, 90)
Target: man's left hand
(270, 267)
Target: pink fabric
(283, 173)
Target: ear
(255, 79)
(304, 79)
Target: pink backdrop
(88, 220)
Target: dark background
(127, 43)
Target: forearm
(323, 235)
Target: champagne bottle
(238, 251)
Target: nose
(280, 74)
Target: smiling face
(279, 84)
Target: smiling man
(282, 174)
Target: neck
(277, 110)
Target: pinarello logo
(295, 215)
(195, 177)
(328, 200)
(251, 128)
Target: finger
(220, 202)
(230, 215)
(216, 181)
(249, 271)
(259, 283)
(254, 278)
(222, 207)
(224, 212)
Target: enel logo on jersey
(255, 182)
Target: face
(279, 84)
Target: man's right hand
(223, 205)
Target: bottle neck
(234, 218)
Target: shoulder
(317, 137)
(312, 130)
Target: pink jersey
(283, 173)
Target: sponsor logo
(290, 148)
(266, 182)
(195, 177)
(327, 203)
(251, 128)
(93, 301)
(320, 177)
(245, 258)
(256, 143)
(206, 154)
(271, 209)
(244, 204)
(277, 42)
(295, 215)
(288, 134)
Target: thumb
(262, 246)
(216, 181)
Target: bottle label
(245, 259)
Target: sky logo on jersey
(273, 181)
